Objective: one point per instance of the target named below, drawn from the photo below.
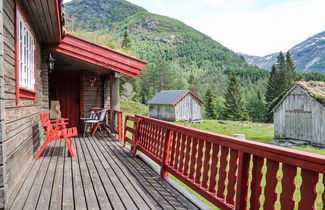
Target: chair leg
(41, 149)
(95, 129)
(68, 142)
(85, 129)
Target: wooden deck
(103, 175)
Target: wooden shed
(300, 113)
(176, 105)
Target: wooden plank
(232, 176)
(206, 165)
(166, 186)
(67, 193)
(90, 194)
(134, 177)
(153, 188)
(21, 197)
(101, 197)
(107, 176)
(78, 188)
(37, 185)
(56, 194)
(198, 170)
(214, 168)
(45, 194)
(131, 194)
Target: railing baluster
(232, 176)
(178, 139)
(324, 191)
(193, 158)
(168, 137)
(308, 189)
(288, 187)
(214, 168)
(172, 151)
(222, 172)
(206, 165)
(271, 182)
(199, 162)
(187, 155)
(242, 183)
(182, 154)
(256, 186)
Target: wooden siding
(188, 109)
(300, 116)
(22, 129)
(93, 96)
(2, 113)
(163, 112)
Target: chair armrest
(63, 119)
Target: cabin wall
(92, 95)
(23, 131)
(188, 109)
(2, 113)
(162, 112)
(301, 117)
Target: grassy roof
(314, 89)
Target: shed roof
(315, 89)
(171, 97)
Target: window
(26, 53)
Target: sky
(254, 27)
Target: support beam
(114, 97)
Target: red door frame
(81, 91)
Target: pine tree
(281, 74)
(257, 108)
(290, 71)
(126, 42)
(235, 108)
(271, 88)
(210, 105)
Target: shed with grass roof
(176, 105)
(299, 113)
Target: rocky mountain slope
(309, 56)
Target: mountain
(309, 56)
(153, 36)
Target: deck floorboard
(102, 175)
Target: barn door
(298, 125)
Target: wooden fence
(229, 172)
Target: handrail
(118, 115)
(219, 167)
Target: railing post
(167, 142)
(119, 127)
(242, 180)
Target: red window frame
(20, 91)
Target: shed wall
(188, 109)
(162, 112)
(300, 116)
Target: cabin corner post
(3, 200)
(114, 98)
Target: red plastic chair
(56, 129)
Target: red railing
(224, 169)
(118, 118)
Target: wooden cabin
(85, 75)
(176, 105)
(300, 113)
